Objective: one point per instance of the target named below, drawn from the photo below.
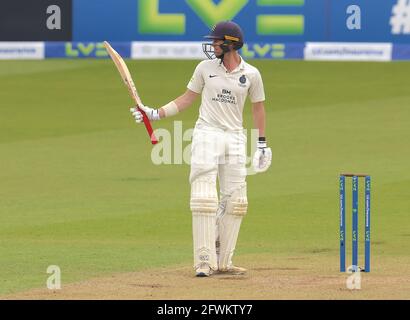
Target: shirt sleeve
(196, 84)
(256, 90)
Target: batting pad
(204, 203)
(229, 225)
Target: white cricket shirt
(224, 93)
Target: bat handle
(148, 126)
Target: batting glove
(152, 114)
(263, 156)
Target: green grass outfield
(78, 188)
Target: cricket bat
(129, 83)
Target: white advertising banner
(21, 50)
(348, 51)
(167, 50)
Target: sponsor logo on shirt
(225, 97)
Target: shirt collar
(241, 66)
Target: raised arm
(170, 109)
(181, 103)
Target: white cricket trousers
(216, 222)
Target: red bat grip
(148, 126)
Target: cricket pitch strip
(269, 278)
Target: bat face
(126, 77)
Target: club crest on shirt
(242, 81)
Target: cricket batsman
(218, 147)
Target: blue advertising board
(84, 49)
(378, 21)
(265, 50)
(264, 21)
